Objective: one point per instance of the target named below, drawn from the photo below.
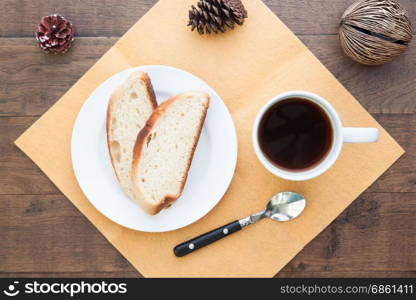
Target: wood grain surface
(44, 235)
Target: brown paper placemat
(247, 67)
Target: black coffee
(295, 134)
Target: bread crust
(141, 140)
(140, 76)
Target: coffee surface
(295, 134)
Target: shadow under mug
(340, 135)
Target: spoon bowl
(285, 206)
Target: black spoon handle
(207, 238)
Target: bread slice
(129, 108)
(164, 150)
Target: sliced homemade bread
(164, 150)
(129, 108)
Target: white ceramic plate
(211, 171)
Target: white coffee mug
(340, 135)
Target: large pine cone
(55, 34)
(213, 16)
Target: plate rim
(233, 141)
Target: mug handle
(360, 135)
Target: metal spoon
(282, 207)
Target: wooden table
(43, 234)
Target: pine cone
(216, 15)
(55, 34)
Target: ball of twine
(373, 32)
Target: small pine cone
(55, 34)
(214, 16)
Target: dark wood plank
(97, 274)
(18, 174)
(96, 17)
(376, 233)
(90, 17)
(30, 81)
(401, 177)
(47, 235)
